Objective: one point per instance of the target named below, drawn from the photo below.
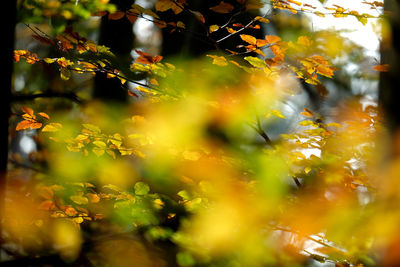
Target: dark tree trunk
(8, 23)
(118, 36)
(389, 93)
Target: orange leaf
(46, 192)
(44, 115)
(307, 113)
(35, 125)
(93, 198)
(324, 70)
(272, 39)
(382, 68)
(25, 124)
(261, 42)
(46, 205)
(71, 211)
(27, 110)
(248, 38)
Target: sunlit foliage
(187, 173)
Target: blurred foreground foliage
(186, 174)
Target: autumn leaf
(92, 128)
(25, 124)
(218, 60)
(261, 19)
(277, 113)
(93, 198)
(304, 41)
(132, 16)
(98, 151)
(256, 62)
(223, 8)
(116, 15)
(44, 115)
(65, 74)
(199, 16)
(80, 200)
(164, 5)
(52, 127)
(70, 211)
(99, 144)
(261, 42)
(46, 205)
(249, 39)
(272, 39)
(213, 28)
(307, 113)
(382, 68)
(181, 25)
(146, 58)
(28, 111)
(324, 70)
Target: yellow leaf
(98, 151)
(52, 127)
(100, 144)
(180, 24)
(306, 123)
(80, 200)
(77, 220)
(213, 28)
(219, 60)
(304, 41)
(334, 124)
(277, 113)
(261, 19)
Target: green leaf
(141, 189)
(185, 259)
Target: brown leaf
(223, 8)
